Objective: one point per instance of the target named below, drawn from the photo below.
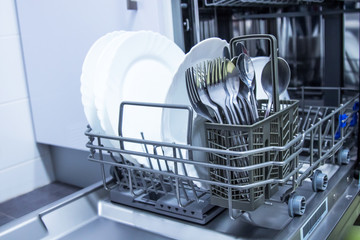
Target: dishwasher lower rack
(165, 186)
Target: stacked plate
(144, 67)
(128, 66)
(208, 49)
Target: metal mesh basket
(274, 131)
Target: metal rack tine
(191, 184)
(160, 176)
(317, 111)
(157, 159)
(150, 163)
(171, 179)
(146, 150)
(131, 185)
(179, 181)
(306, 119)
(326, 132)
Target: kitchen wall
(24, 165)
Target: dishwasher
(301, 177)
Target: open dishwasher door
(89, 214)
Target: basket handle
(273, 59)
(157, 105)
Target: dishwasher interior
(301, 171)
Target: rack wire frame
(317, 138)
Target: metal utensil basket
(274, 131)
(277, 130)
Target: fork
(232, 83)
(216, 90)
(201, 78)
(194, 98)
(243, 95)
(226, 84)
(222, 78)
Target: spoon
(226, 52)
(245, 104)
(239, 49)
(283, 80)
(247, 75)
(234, 60)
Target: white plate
(174, 124)
(87, 79)
(102, 72)
(140, 69)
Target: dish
(101, 77)
(206, 50)
(139, 68)
(175, 123)
(87, 79)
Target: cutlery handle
(254, 103)
(232, 112)
(268, 108)
(159, 106)
(248, 111)
(243, 119)
(227, 116)
(245, 106)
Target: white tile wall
(8, 22)
(13, 85)
(23, 166)
(17, 138)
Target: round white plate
(174, 124)
(140, 69)
(87, 79)
(102, 72)
(205, 50)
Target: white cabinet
(56, 35)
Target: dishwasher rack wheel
(319, 181)
(296, 205)
(343, 156)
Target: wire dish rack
(282, 150)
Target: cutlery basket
(275, 131)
